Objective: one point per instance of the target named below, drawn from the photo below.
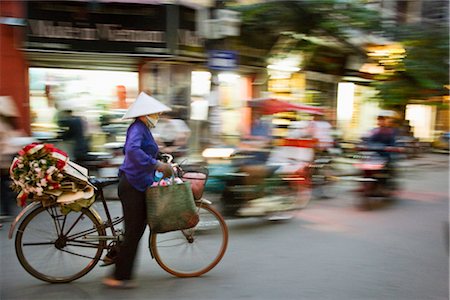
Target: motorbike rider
(74, 135)
(320, 129)
(381, 138)
(384, 134)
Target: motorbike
(378, 180)
(260, 180)
(248, 186)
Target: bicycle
(60, 248)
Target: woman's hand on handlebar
(164, 168)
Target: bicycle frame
(90, 239)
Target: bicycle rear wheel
(53, 247)
(195, 251)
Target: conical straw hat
(145, 105)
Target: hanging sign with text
(96, 27)
(222, 60)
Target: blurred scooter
(378, 182)
(250, 186)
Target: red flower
(55, 186)
(60, 164)
(29, 146)
(23, 199)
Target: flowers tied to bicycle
(42, 172)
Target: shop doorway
(99, 97)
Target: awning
(271, 106)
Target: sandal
(119, 284)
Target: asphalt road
(329, 250)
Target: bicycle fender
(22, 213)
(203, 200)
(96, 214)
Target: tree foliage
(422, 74)
(263, 23)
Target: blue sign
(222, 60)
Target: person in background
(261, 128)
(320, 129)
(8, 148)
(381, 137)
(136, 174)
(298, 130)
(121, 100)
(384, 134)
(172, 135)
(75, 134)
(258, 143)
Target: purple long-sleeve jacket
(140, 156)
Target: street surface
(329, 250)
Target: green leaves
(421, 75)
(424, 71)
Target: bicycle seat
(102, 182)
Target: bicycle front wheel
(192, 252)
(59, 248)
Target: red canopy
(271, 106)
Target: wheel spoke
(38, 244)
(77, 254)
(46, 252)
(82, 233)
(182, 255)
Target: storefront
(94, 57)
(355, 115)
(100, 97)
(89, 57)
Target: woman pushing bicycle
(136, 174)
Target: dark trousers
(6, 194)
(135, 218)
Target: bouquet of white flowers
(42, 172)
(37, 169)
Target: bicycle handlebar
(167, 157)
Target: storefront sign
(97, 27)
(107, 32)
(222, 60)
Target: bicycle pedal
(107, 262)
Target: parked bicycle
(60, 248)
